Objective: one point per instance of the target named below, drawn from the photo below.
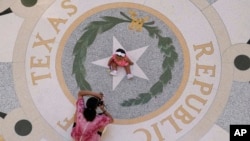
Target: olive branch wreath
(97, 27)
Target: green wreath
(97, 27)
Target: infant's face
(119, 57)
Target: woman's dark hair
(90, 110)
(121, 50)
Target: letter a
(237, 132)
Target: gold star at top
(136, 23)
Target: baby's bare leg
(127, 69)
(113, 66)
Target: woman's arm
(83, 93)
(104, 111)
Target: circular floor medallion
(174, 99)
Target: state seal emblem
(178, 68)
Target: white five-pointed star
(134, 55)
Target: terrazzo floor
(191, 67)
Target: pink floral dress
(84, 130)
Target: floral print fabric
(84, 130)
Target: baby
(119, 58)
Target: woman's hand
(102, 107)
(90, 93)
(105, 112)
(100, 96)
